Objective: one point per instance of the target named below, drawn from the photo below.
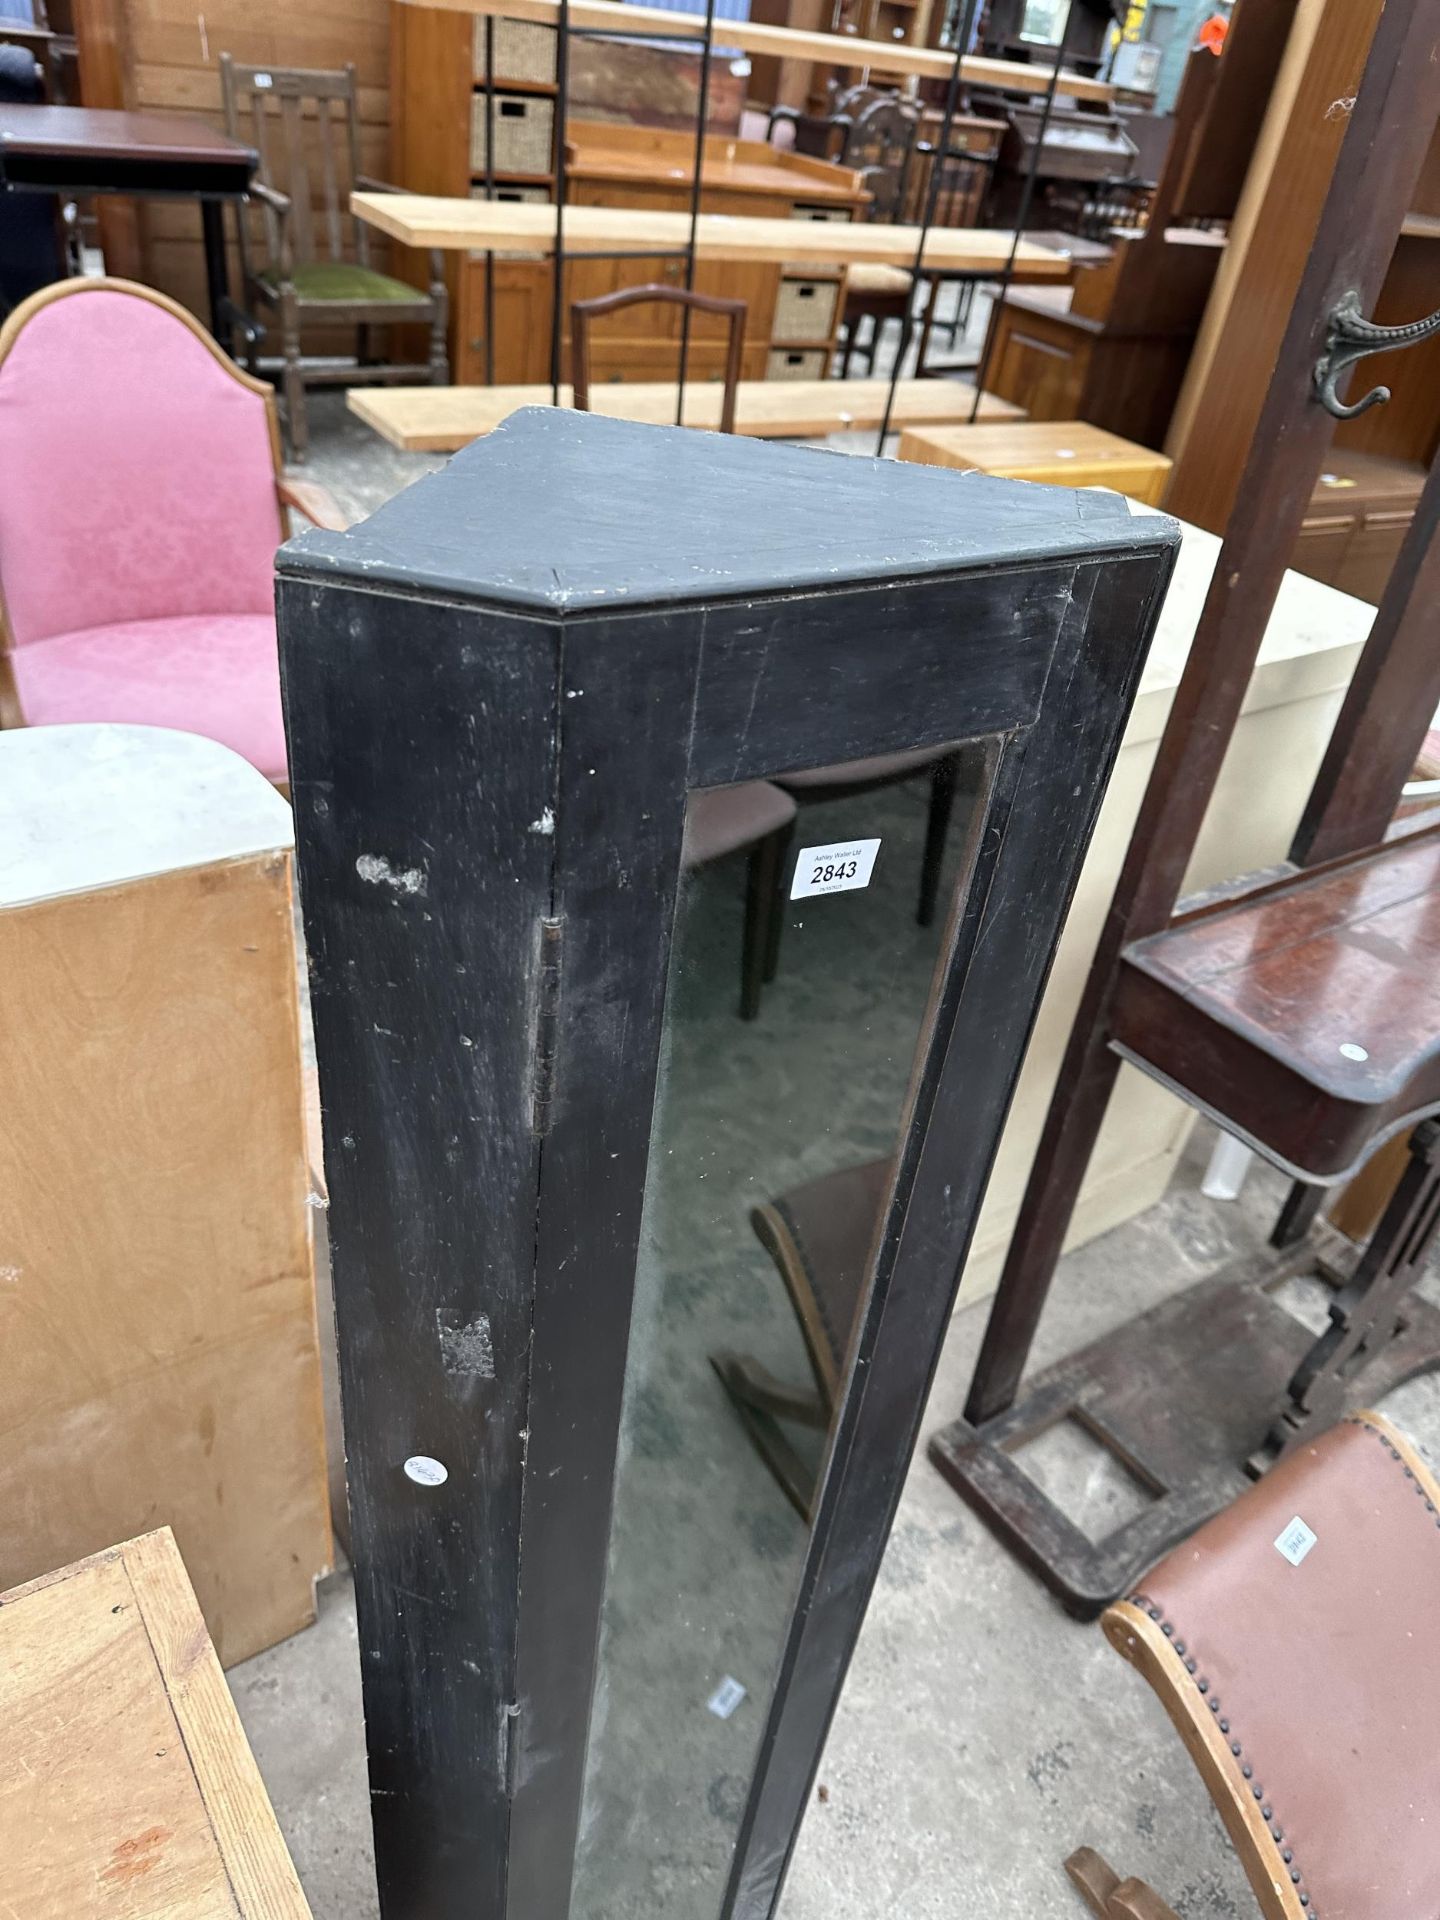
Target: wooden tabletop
(790, 43)
(1020, 447)
(104, 133)
(1307, 1012)
(127, 1789)
(1060, 453)
(441, 419)
(421, 220)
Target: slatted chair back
(304, 124)
(880, 146)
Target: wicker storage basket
(790, 363)
(805, 310)
(524, 50)
(524, 132)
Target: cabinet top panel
(570, 512)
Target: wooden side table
(1066, 453)
(126, 1784)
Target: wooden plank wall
(169, 52)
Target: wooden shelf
(441, 419)
(789, 43)
(547, 88)
(418, 220)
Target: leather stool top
(1295, 1642)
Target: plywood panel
(321, 33)
(171, 55)
(127, 1789)
(157, 1311)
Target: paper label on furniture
(1296, 1541)
(838, 868)
(726, 1698)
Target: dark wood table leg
(217, 275)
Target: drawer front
(524, 131)
(1372, 552)
(1320, 549)
(797, 363)
(805, 310)
(973, 139)
(523, 51)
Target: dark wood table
(150, 155)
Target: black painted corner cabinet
(600, 1651)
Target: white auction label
(726, 1698)
(425, 1471)
(834, 869)
(1295, 1542)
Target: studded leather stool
(1295, 1643)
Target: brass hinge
(547, 1020)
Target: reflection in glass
(745, 1291)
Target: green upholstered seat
(343, 280)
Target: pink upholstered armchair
(141, 502)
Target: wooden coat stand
(1247, 1002)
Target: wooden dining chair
(141, 503)
(880, 145)
(314, 268)
(758, 818)
(1292, 1643)
(820, 1236)
(584, 312)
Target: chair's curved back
(1292, 1641)
(137, 465)
(582, 312)
(879, 145)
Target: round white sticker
(426, 1472)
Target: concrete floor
(983, 1734)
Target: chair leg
(762, 911)
(362, 344)
(1093, 1878)
(1108, 1896)
(942, 802)
(776, 911)
(738, 1377)
(294, 386)
(439, 359)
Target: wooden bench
(126, 1784)
(440, 419)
